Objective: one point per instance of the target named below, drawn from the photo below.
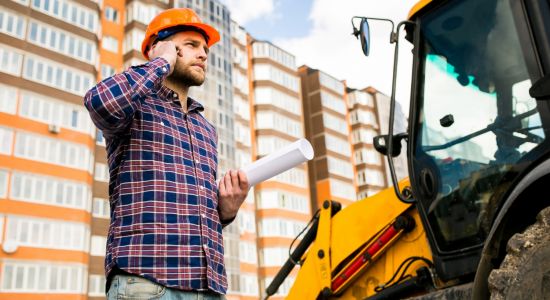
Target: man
(167, 212)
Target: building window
(8, 99)
(342, 189)
(50, 191)
(12, 23)
(276, 121)
(246, 221)
(335, 123)
(334, 103)
(101, 172)
(3, 184)
(276, 75)
(249, 285)
(100, 139)
(107, 71)
(47, 233)
(282, 200)
(110, 43)
(96, 286)
(340, 167)
(261, 49)
(241, 107)
(143, 13)
(247, 252)
(359, 97)
(275, 227)
(52, 111)
(337, 144)
(132, 41)
(273, 256)
(363, 136)
(111, 14)
(101, 208)
(371, 177)
(62, 41)
(331, 83)
(70, 12)
(6, 140)
(52, 150)
(39, 277)
(267, 95)
(98, 245)
(10, 60)
(64, 78)
(363, 117)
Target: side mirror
(365, 36)
(381, 143)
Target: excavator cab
(474, 128)
(479, 165)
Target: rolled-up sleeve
(113, 102)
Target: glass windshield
(476, 118)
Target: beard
(184, 75)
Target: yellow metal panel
(322, 256)
(349, 230)
(410, 244)
(418, 7)
(353, 226)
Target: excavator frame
(451, 231)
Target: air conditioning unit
(9, 246)
(54, 128)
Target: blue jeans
(137, 288)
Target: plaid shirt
(165, 224)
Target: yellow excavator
(473, 219)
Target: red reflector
(364, 257)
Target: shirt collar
(167, 94)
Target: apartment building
(332, 173)
(48, 58)
(243, 282)
(282, 203)
(365, 125)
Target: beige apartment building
(365, 125)
(282, 203)
(243, 284)
(332, 175)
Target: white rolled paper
(278, 162)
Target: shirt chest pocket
(168, 133)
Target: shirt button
(175, 95)
(201, 187)
(203, 215)
(163, 69)
(196, 161)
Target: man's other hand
(233, 189)
(166, 50)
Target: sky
(318, 33)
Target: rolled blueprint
(278, 162)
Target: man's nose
(202, 54)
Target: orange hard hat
(177, 17)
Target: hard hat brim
(212, 34)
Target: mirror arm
(395, 39)
(356, 31)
